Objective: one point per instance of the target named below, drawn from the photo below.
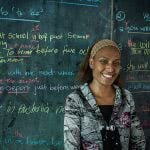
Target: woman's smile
(107, 76)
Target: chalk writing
(15, 72)
(58, 88)
(40, 73)
(39, 88)
(23, 109)
(146, 16)
(43, 36)
(3, 44)
(18, 36)
(141, 66)
(34, 109)
(145, 107)
(15, 89)
(69, 50)
(17, 52)
(134, 29)
(139, 87)
(71, 35)
(11, 60)
(41, 47)
(139, 47)
(120, 15)
(32, 84)
(18, 134)
(31, 140)
(19, 13)
(56, 37)
(2, 35)
(45, 50)
(8, 80)
(132, 32)
(138, 76)
(88, 3)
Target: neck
(101, 90)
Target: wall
(41, 45)
(132, 32)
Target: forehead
(108, 52)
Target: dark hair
(85, 72)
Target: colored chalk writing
(132, 32)
(41, 46)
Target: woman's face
(105, 66)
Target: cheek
(118, 71)
(97, 71)
(99, 67)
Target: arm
(137, 138)
(72, 123)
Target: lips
(108, 76)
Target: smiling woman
(100, 114)
(105, 66)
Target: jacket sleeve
(137, 138)
(72, 123)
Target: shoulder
(128, 96)
(75, 96)
(79, 92)
(125, 94)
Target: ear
(91, 62)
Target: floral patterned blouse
(83, 121)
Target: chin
(108, 83)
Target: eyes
(115, 63)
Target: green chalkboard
(41, 45)
(132, 32)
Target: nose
(110, 67)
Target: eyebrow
(118, 59)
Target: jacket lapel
(90, 99)
(117, 103)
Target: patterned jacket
(83, 121)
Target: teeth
(107, 76)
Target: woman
(101, 115)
